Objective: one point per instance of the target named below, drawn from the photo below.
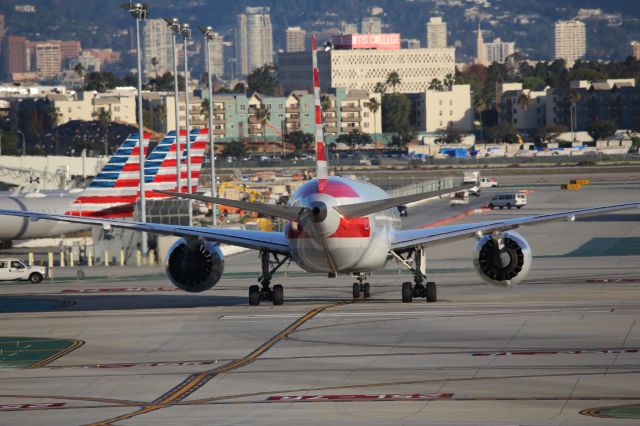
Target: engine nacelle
(194, 265)
(502, 267)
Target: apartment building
(437, 110)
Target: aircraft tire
(356, 290)
(432, 292)
(407, 292)
(278, 295)
(254, 295)
(367, 290)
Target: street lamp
(174, 25)
(139, 12)
(208, 37)
(185, 30)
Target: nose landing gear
(267, 293)
(361, 288)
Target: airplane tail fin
(115, 184)
(321, 161)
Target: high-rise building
(48, 59)
(571, 41)
(295, 39)
(410, 43)
(635, 49)
(254, 39)
(481, 52)
(436, 33)
(371, 25)
(157, 44)
(14, 53)
(2, 30)
(70, 49)
(347, 28)
(216, 54)
(498, 50)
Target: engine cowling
(502, 267)
(194, 265)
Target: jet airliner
(337, 226)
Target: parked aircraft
(112, 193)
(337, 226)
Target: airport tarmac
(563, 348)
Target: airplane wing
(255, 240)
(442, 234)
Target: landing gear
(269, 267)
(415, 262)
(361, 288)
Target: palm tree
(154, 64)
(325, 102)
(448, 81)
(574, 98)
(380, 87)
(79, 69)
(262, 114)
(103, 116)
(393, 80)
(436, 84)
(524, 101)
(54, 116)
(480, 106)
(374, 106)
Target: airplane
(337, 226)
(114, 190)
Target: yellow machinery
(259, 224)
(240, 192)
(571, 186)
(580, 181)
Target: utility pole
(185, 30)
(174, 24)
(208, 37)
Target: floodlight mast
(185, 30)
(174, 25)
(208, 37)
(139, 12)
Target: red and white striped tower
(321, 161)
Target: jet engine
(194, 265)
(504, 266)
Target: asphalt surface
(563, 348)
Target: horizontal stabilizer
(284, 212)
(363, 209)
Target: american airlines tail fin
(116, 184)
(321, 161)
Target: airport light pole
(24, 148)
(139, 12)
(174, 24)
(185, 30)
(208, 37)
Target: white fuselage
(340, 244)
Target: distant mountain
(527, 22)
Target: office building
(570, 41)
(348, 28)
(436, 33)
(410, 43)
(498, 51)
(525, 109)
(365, 64)
(254, 39)
(121, 104)
(69, 49)
(371, 25)
(14, 53)
(481, 51)
(295, 39)
(635, 49)
(48, 59)
(2, 30)
(157, 48)
(438, 110)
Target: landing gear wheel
(278, 295)
(254, 295)
(407, 292)
(432, 294)
(367, 290)
(356, 290)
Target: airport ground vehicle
(13, 269)
(333, 226)
(459, 198)
(402, 209)
(513, 199)
(488, 182)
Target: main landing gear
(269, 267)
(415, 262)
(361, 288)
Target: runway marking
(563, 352)
(613, 280)
(195, 381)
(456, 217)
(117, 290)
(374, 397)
(615, 412)
(21, 407)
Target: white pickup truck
(12, 269)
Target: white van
(514, 199)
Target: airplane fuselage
(340, 244)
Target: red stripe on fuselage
(357, 227)
(329, 187)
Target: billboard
(367, 41)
